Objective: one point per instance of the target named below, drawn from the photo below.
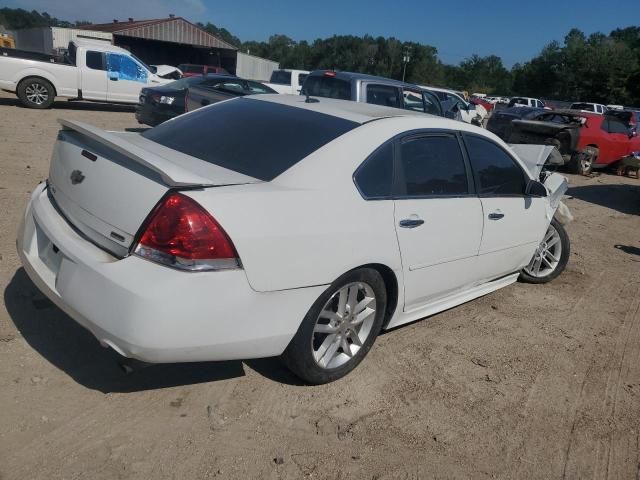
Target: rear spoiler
(171, 173)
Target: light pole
(406, 58)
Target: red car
(611, 134)
(488, 106)
(191, 70)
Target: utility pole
(406, 58)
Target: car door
(438, 217)
(94, 76)
(619, 131)
(514, 222)
(126, 77)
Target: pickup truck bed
(37, 56)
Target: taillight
(330, 73)
(180, 233)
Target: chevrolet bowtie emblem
(76, 177)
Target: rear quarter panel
(64, 78)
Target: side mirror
(536, 189)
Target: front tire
(339, 329)
(550, 258)
(36, 93)
(582, 162)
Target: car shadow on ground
(70, 347)
(623, 198)
(631, 250)
(76, 105)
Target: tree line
(598, 68)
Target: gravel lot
(528, 382)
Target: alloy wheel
(36, 93)
(547, 256)
(344, 325)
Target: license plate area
(49, 254)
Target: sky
(511, 29)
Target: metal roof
(172, 29)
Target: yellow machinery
(6, 41)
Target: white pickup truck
(89, 71)
(287, 81)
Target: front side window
(375, 176)
(385, 95)
(233, 87)
(125, 68)
(617, 126)
(257, 87)
(433, 166)
(496, 172)
(95, 60)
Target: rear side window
(302, 77)
(617, 126)
(327, 87)
(95, 60)
(433, 166)
(385, 95)
(250, 136)
(495, 171)
(413, 100)
(281, 77)
(375, 175)
(432, 104)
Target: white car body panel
(69, 80)
(294, 235)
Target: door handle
(411, 222)
(496, 216)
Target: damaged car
(584, 140)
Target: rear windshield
(281, 77)
(191, 68)
(582, 106)
(257, 138)
(327, 87)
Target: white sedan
(279, 225)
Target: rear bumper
(150, 312)
(149, 115)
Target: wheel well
(55, 92)
(391, 285)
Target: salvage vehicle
(589, 107)
(483, 102)
(386, 92)
(191, 70)
(287, 81)
(220, 235)
(224, 88)
(585, 140)
(451, 100)
(167, 71)
(89, 71)
(159, 104)
(500, 121)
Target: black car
(225, 88)
(159, 104)
(360, 87)
(500, 121)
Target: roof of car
(361, 76)
(354, 111)
(98, 45)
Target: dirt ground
(528, 382)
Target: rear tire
(551, 256)
(36, 92)
(339, 329)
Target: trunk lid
(106, 183)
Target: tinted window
(495, 171)
(191, 68)
(617, 126)
(281, 77)
(433, 165)
(250, 136)
(384, 95)
(375, 176)
(94, 61)
(231, 86)
(257, 87)
(302, 77)
(327, 87)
